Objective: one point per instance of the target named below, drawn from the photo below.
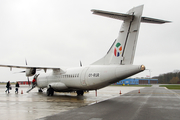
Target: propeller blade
(28, 81)
(80, 64)
(26, 61)
(25, 71)
(20, 72)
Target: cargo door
(83, 76)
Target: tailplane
(123, 49)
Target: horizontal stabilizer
(119, 16)
(122, 16)
(153, 20)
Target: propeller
(25, 71)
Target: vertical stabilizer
(123, 49)
(132, 32)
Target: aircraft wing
(29, 67)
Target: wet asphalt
(34, 105)
(152, 103)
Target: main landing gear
(50, 91)
(80, 93)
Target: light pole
(149, 81)
(149, 73)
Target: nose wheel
(40, 90)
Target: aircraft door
(83, 76)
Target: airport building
(128, 81)
(137, 81)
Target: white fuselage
(87, 78)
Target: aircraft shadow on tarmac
(65, 96)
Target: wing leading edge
(30, 67)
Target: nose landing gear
(40, 90)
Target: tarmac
(152, 103)
(34, 105)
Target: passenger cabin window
(69, 76)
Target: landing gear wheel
(40, 90)
(50, 91)
(80, 92)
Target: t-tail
(122, 51)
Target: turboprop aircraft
(116, 65)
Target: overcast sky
(61, 33)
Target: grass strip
(133, 85)
(171, 86)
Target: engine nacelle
(58, 86)
(30, 72)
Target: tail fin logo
(118, 49)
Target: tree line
(169, 78)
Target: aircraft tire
(52, 92)
(48, 92)
(40, 91)
(80, 92)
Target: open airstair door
(83, 75)
(30, 89)
(34, 83)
